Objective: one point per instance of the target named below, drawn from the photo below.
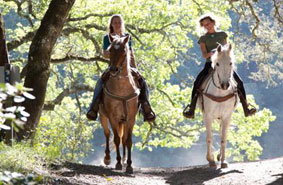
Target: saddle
(134, 71)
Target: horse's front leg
(129, 142)
(225, 126)
(209, 156)
(117, 144)
(104, 121)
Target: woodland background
(165, 38)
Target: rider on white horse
(208, 43)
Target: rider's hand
(106, 53)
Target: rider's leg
(242, 96)
(197, 84)
(94, 106)
(147, 112)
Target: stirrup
(251, 111)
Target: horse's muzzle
(225, 86)
(114, 69)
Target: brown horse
(120, 101)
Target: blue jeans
(97, 91)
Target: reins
(218, 99)
(124, 99)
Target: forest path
(259, 172)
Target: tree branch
(90, 15)
(16, 43)
(83, 59)
(167, 95)
(50, 105)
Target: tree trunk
(3, 47)
(39, 61)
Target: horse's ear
(126, 39)
(230, 47)
(219, 48)
(111, 38)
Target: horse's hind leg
(209, 155)
(104, 123)
(225, 125)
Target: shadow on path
(278, 181)
(196, 175)
(69, 169)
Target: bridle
(214, 71)
(115, 70)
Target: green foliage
(160, 32)
(15, 178)
(68, 139)
(15, 114)
(21, 158)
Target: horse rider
(208, 43)
(116, 27)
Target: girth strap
(219, 99)
(124, 99)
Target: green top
(212, 40)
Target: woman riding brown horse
(116, 28)
(120, 101)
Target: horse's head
(223, 65)
(118, 53)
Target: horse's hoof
(212, 164)
(218, 157)
(224, 165)
(107, 161)
(129, 170)
(118, 166)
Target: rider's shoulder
(222, 33)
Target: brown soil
(259, 172)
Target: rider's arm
(204, 52)
(133, 62)
(106, 44)
(225, 41)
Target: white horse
(219, 99)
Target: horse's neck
(122, 83)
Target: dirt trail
(260, 172)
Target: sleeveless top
(106, 42)
(212, 40)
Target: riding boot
(191, 112)
(93, 110)
(243, 100)
(242, 96)
(146, 110)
